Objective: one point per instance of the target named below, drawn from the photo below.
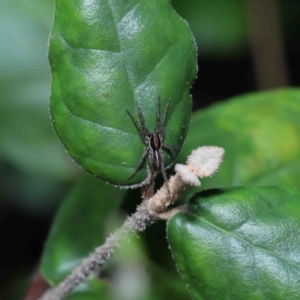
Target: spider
(154, 143)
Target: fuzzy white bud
(205, 161)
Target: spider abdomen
(154, 147)
(154, 141)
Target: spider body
(155, 153)
(153, 141)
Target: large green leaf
(260, 133)
(80, 226)
(104, 56)
(240, 243)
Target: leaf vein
(238, 237)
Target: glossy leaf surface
(79, 226)
(105, 56)
(240, 243)
(260, 133)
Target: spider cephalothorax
(154, 142)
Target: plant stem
(138, 222)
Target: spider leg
(162, 127)
(139, 164)
(150, 159)
(143, 126)
(170, 149)
(163, 171)
(158, 112)
(140, 129)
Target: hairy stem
(135, 223)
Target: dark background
(243, 46)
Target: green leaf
(239, 243)
(79, 226)
(260, 133)
(104, 56)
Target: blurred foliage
(35, 171)
(260, 133)
(80, 225)
(220, 26)
(33, 164)
(290, 10)
(251, 128)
